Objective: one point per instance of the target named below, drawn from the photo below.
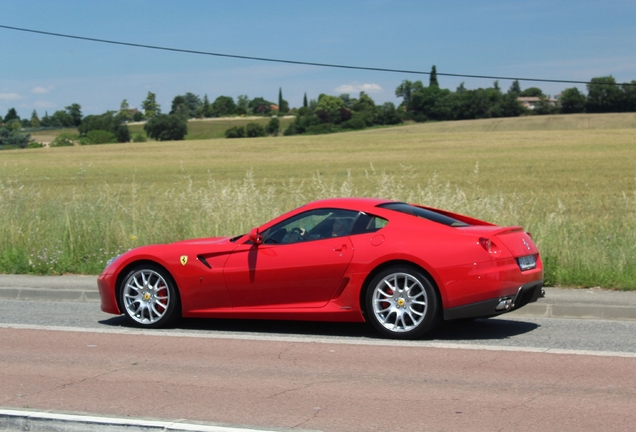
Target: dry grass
(565, 178)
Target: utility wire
(328, 65)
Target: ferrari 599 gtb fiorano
(401, 267)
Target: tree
(629, 97)
(207, 107)
(167, 127)
(305, 101)
(364, 103)
(223, 106)
(193, 102)
(11, 115)
(62, 118)
(124, 111)
(242, 102)
(150, 106)
(390, 116)
(572, 101)
(12, 139)
(108, 122)
(532, 92)
(603, 95)
(406, 89)
(260, 106)
(35, 121)
(75, 111)
(329, 109)
(515, 88)
(180, 107)
(283, 105)
(432, 81)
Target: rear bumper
(526, 293)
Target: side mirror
(255, 236)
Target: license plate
(527, 262)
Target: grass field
(197, 129)
(570, 180)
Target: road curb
(14, 420)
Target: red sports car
(399, 266)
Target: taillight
(489, 245)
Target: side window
(312, 225)
(367, 224)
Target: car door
(299, 264)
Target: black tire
(402, 303)
(149, 297)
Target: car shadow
(478, 329)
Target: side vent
(204, 261)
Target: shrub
(167, 127)
(140, 138)
(235, 132)
(355, 124)
(323, 128)
(34, 144)
(273, 126)
(254, 130)
(100, 137)
(66, 140)
(10, 138)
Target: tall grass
(78, 229)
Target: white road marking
(97, 422)
(320, 339)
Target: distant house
(274, 107)
(531, 102)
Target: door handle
(341, 248)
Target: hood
(202, 241)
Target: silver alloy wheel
(146, 296)
(399, 302)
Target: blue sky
(570, 40)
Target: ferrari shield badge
(183, 259)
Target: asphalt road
(546, 334)
(509, 373)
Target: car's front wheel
(401, 303)
(149, 296)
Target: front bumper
(526, 293)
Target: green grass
(197, 129)
(566, 179)
(215, 127)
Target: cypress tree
(305, 105)
(433, 79)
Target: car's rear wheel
(149, 297)
(401, 303)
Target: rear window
(424, 214)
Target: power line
(272, 60)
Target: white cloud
(44, 104)
(9, 96)
(357, 88)
(40, 90)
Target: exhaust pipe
(504, 304)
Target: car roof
(362, 204)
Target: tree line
(326, 114)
